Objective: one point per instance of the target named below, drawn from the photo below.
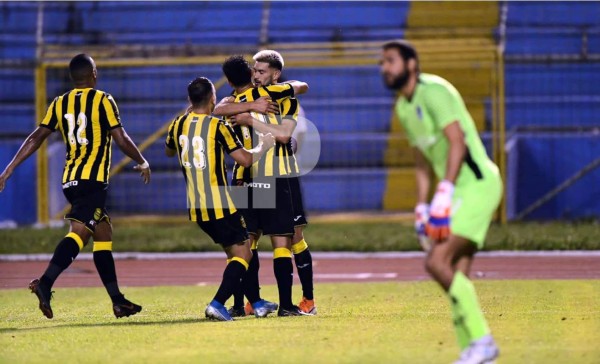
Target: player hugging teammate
(273, 202)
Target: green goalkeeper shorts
(473, 207)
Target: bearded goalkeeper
(445, 140)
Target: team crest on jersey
(419, 113)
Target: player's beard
(399, 82)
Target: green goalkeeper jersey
(434, 105)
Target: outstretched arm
(262, 105)
(128, 147)
(282, 133)
(29, 146)
(298, 86)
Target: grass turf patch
(371, 236)
(533, 322)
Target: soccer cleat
(125, 308)
(238, 311)
(482, 351)
(44, 296)
(216, 311)
(308, 306)
(262, 308)
(248, 310)
(291, 311)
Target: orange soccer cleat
(308, 306)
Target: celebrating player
(266, 179)
(88, 119)
(445, 139)
(267, 71)
(199, 141)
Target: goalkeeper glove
(438, 227)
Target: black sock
(251, 287)
(305, 272)
(284, 274)
(105, 265)
(64, 254)
(238, 294)
(231, 279)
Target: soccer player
(88, 120)
(266, 179)
(200, 140)
(267, 71)
(445, 140)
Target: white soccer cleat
(482, 351)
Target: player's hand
(421, 219)
(438, 227)
(268, 140)
(264, 105)
(3, 178)
(144, 171)
(243, 119)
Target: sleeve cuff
(47, 127)
(234, 149)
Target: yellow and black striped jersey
(289, 109)
(275, 162)
(200, 141)
(85, 118)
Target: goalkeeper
(445, 140)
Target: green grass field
(341, 236)
(533, 321)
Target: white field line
(316, 255)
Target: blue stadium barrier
(344, 189)
(334, 82)
(16, 85)
(542, 162)
(594, 41)
(353, 149)
(18, 200)
(122, 198)
(553, 112)
(534, 41)
(349, 115)
(539, 79)
(17, 119)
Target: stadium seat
(335, 21)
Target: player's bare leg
(445, 263)
(105, 265)
(65, 253)
(304, 266)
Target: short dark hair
(237, 70)
(81, 67)
(273, 58)
(200, 91)
(404, 48)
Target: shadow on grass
(107, 324)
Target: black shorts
(227, 231)
(297, 202)
(270, 209)
(88, 200)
